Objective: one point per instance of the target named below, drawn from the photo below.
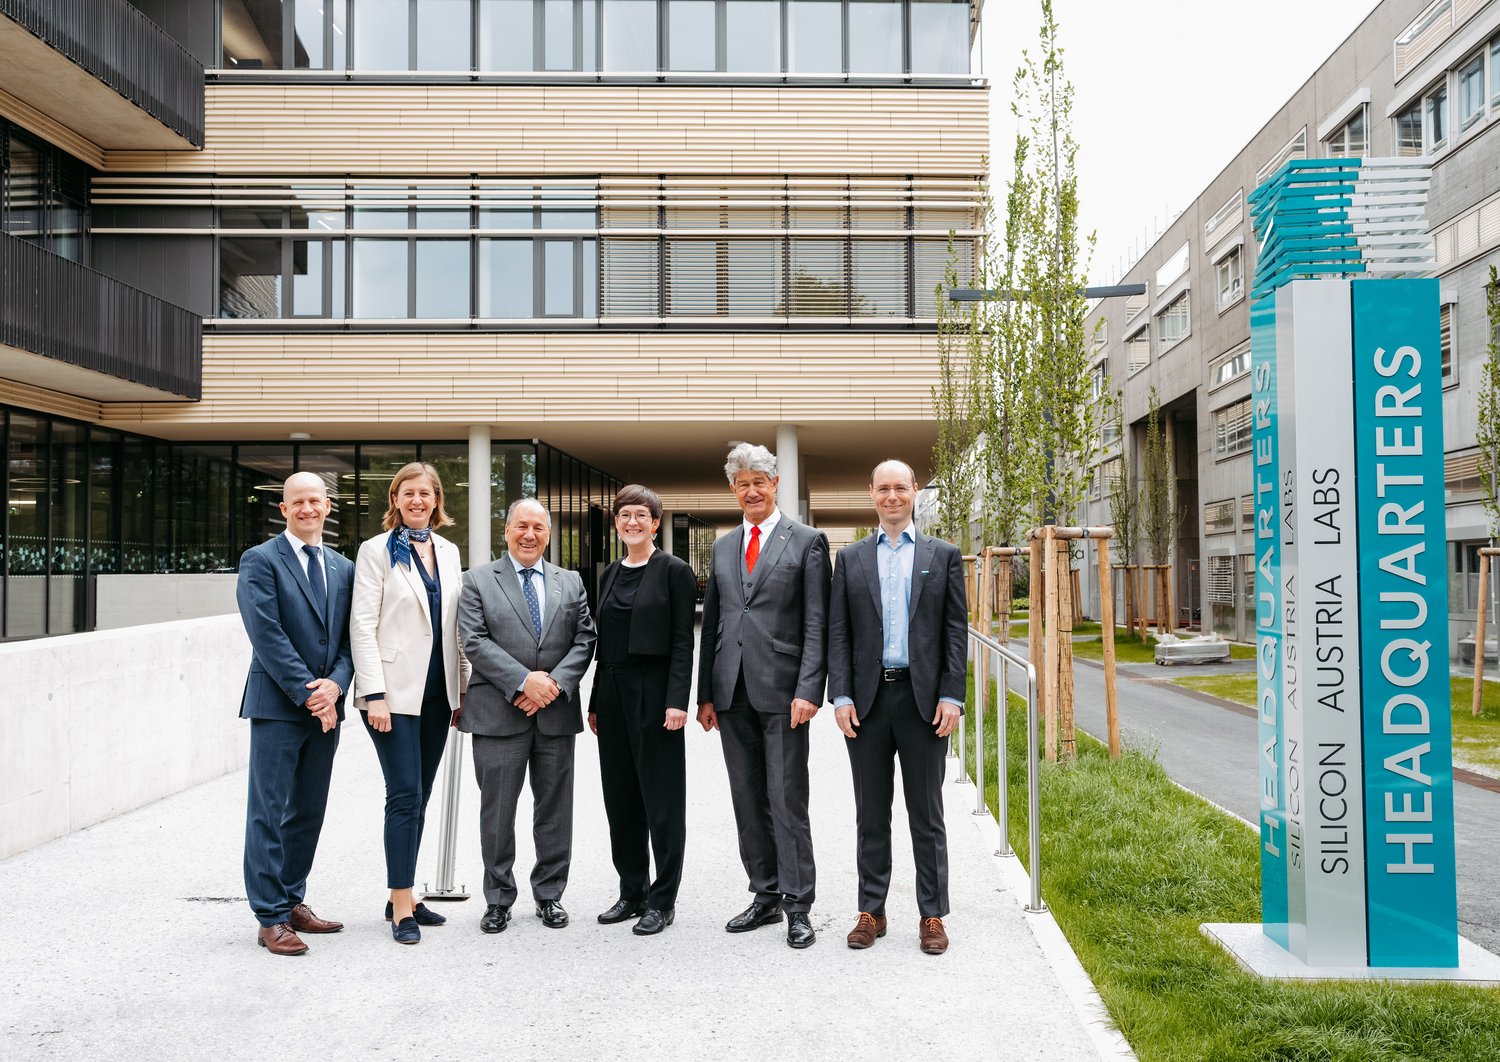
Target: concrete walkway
(132, 940)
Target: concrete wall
(130, 600)
(99, 724)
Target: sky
(1166, 93)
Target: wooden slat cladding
(41, 400)
(557, 129)
(467, 379)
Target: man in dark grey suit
(293, 593)
(896, 679)
(761, 673)
(527, 633)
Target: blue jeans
(409, 756)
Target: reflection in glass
(452, 463)
(690, 35)
(377, 467)
(307, 46)
(875, 36)
(567, 219)
(202, 483)
(252, 217)
(557, 29)
(252, 34)
(336, 465)
(23, 191)
(307, 277)
(26, 542)
(754, 277)
(817, 284)
(443, 35)
(443, 216)
(380, 278)
(442, 278)
(260, 473)
(104, 515)
(70, 514)
(249, 277)
(382, 34)
(557, 292)
(505, 35)
(505, 284)
(814, 31)
(939, 37)
(879, 278)
(752, 36)
(629, 35)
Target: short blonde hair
(440, 517)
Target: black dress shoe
(551, 913)
(423, 915)
(496, 918)
(753, 917)
(653, 922)
(406, 931)
(799, 931)
(622, 911)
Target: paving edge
(1109, 1043)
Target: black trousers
(643, 768)
(767, 764)
(409, 756)
(894, 728)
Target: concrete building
(573, 242)
(1416, 77)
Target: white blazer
(390, 627)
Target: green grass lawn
(1131, 865)
(1128, 648)
(1237, 688)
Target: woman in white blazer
(409, 672)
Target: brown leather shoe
(280, 940)
(866, 930)
(304, 921)
(934, 939)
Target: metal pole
(1002, 756)
(963, 767)
(979, 695)
(1034, 795)
(448, 835)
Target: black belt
(895, 674)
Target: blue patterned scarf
(400, 542)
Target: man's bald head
(304, 481)
(887, 468)
(305, 505)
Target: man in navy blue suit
(294, 596)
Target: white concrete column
(789, 468)
(479, 495)
(666, 531)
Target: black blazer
(661, 623)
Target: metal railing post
(448, 832)
(1002, 757)
(1033, 793)
(979, 696)
(963, 748)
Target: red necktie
(753, 552)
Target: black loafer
(622, 911)
(406, 931)
(799, 930)
(653, 922)
(496, 918)
(552, 914)
(424, 916)
(753, 917)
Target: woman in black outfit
(638, 708)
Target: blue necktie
(529, 589)
(315, 580)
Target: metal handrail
(980, 642)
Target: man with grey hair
(761, 672)
(526, 631)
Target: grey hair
(750, 457)
(510, 513)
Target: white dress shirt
(302, 558)
(538, 581)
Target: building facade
(1416, 78)
(578, 242)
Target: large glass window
(1174, 322)
(506, 31)
(1437, 118)
(443, 35)
(250, 277)
(1230, 273)
(1352, 140)
(814, 32)
(875, 37)
(691, 35)
(1409, 131)
(1232, 429)
(1471, 92)
(442, 279)
(505, 279)
(629, 35)
(752, 36)
(286, 34)
(879, 268)
(23, 189)
(380, 278)
(939, 37)
(382, 35)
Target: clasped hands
(324, 702)
(538, 691)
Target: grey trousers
(500, 766)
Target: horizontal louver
(630, 278)
(1218, 580)
(1218, 517)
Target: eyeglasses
(626, 516)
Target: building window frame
(1174, 323)
(1233, 426)
(1229, 276)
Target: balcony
(104, 70)
(70, 329)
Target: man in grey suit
(896, 679)
(761, 672)
(526, 630)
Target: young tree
(1125, 516)
(956, 401)
(1160, 516)
(1488, 433)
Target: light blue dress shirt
(895, 559)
